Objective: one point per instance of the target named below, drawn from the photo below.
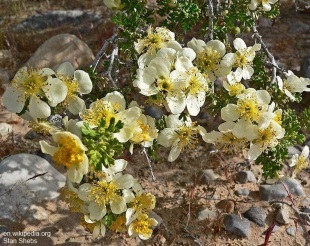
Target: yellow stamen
(248, 108)
(187, 136)
(144, 203)
(208, 59)
(119, 225)
(103, 193)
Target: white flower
(113, 4)
(155, 40)
(104, 193)
(77, 82)
(99, 227)
(142, 227)
(32, 86)
(178, 135)
(300, 162)
(265, 3)
(293, 84)
(242, 59)
(70, 152)
(267, 138)
(209, 57)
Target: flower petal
(13, 100)
(84, 81)
(38, 108)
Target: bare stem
(211, 17)
(270, 56)
(112, 59)
(149, 162)
(102, 52)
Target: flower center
(144, 202)
(119, 225)
(103, 192)
(69, 152)
(141, 225)
(266, 138)
(197, 83)
(99, 110)
(72, 85)
(248, 108)
(241, 59)
(235, 89)
(32, 82)
(164, 84)
(187, 136)
(208, 59)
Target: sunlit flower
(31, 87)
(209, 57)
(234, 89)
(142, 227)
(155, 40)
(293, 84)
(142, 203)
(266, 4)
(98, 228)
(70, 152)
(300, 162)
(113, 4)
(267, 138)
(77, 82)
(105, 193)
(242, 59)
(178, 135)
(119, 224)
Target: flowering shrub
(181, 72)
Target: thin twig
(270, 56)
(149, 162)
(102, 52)
(211, 17)
(113, 55)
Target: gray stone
(61, 48)
(272, 192)
(5, 129)
(56, 19)
(299, 26)
(207, 214)
(294, 186)
(30, 135)
(291, 231)
(283, 215)
(305, 68)
(234, 224)
(154, 112)
(305, 215)
(20, 190)
(242, 192)
(293, 150)
(208, 176)
(245, 177)
(275, 229)
(256, 214)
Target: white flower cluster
(35, 91)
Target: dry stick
(149, 162)
(270, 56)
(211, 17)
(113, 55)
(102, 51)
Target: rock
(56, 19)
(293, 150)
(4, 78)
(5, 129)
(275, 228)
(272, 192)
(294, 186)
(3, 228)
(207, 214)
(305, 202)
(305, 68)
(61, 48)
(234, 224)
(283, 215)
(245, 176)
(242, 192)
(154, 112)
(207, 176)
(291, 231)
(256, 214)
(30, 135)
(298, 26)
(227, 206)
(305, 215)
(155, 216)
(22, 195)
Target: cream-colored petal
(65, 69)
(96, 212)
(38, 108)
(55, 91)
(84, 81)
(239, 44)
(116, 98)
(174, 153)
(76, 105)
(230, 112)
(47, 148)
(84, 191)
(118, 206)
(13, 100)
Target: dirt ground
(180, 197)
